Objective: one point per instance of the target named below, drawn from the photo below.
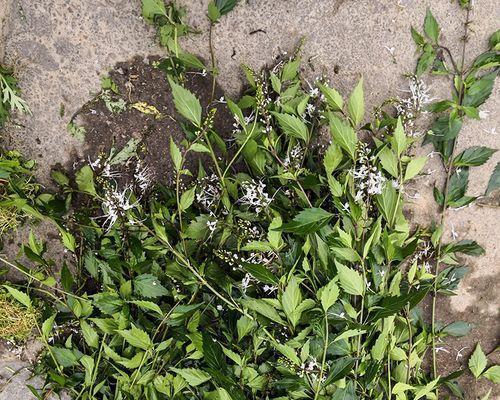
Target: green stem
(323, 360)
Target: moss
(16, 321)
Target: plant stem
(448, 165)
(323, 360)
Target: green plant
(16, 186)
(472, 86)
(283, 268)
(9, 96)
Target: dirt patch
(142, 82)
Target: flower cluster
(209, 193)
(294, 158)
(115, 204)
(409, 108)
(255, 196)
(368, 179)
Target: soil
(139, 81)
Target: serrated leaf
(89, 334)
(414, 167)
(332, 158)
(332, 97)
(328, 295)
(389, 161)
(225, 6)
(356, 103)
(175, 154)
(261, 273)
(148, 305)
(193, 376)
(187, 198)
(85, 180)
(293, 126)
(493, 374)
(136, 338)
(431, 27)
(65, 357)
(147, 285)
(350, 280)
(21, 297)
(48, 325)
(477, 361)
(343, 135)
(473, 156)
(262, 307)
(151, 8)
(494, 182)
(308, 221)
(399, 141)
(186, 103)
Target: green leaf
(473, 156)
(48, 325)
(193, 376)
(187, 198)
(398, 140)
(213, 12)
(493, 374)
(332, 97)
(128, 151)
(431, 27)
(175, 154)
(356, 103)
(85, 180)
(147, 285)
(65, 357)
(244, 326)
(136, 338)
(457, 329)
(425, 390)
(308, 221)
(293, 126)
(262, 307)
(343, 135)
(351, 281)
(288, 352)
(21, 297)
(89, 334)
(333, 157)
(458, 185)
(477, 361)
(495, 40)
(152, 8)
(477, 93)
(425, 61)
(261, 273)
(339, 369)
(148, 305)
(494, 182)
(186, 103)
(389, 161)
(199, 148)
(414, 167)
(388, 202)
(291, 299)
(212, 353)
(417, 37)
(225, 6)
(328, 295)
(290, 70)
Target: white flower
(255, 196)
(142, 175)
(269, 289)
(483, 114)
(212, 226)
(245, 282)
(314, 92)
(115, 204)
(219, 307)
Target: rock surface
(61, 48)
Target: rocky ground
(61, 49)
